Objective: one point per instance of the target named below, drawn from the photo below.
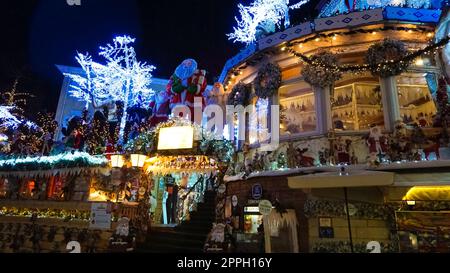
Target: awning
(422, 179)
(334, 180)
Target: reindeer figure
(304, 161)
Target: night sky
(36, 35)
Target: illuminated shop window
(415, 98)
(297, 110)
(259, 122)
(357, 106)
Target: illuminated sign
(174, 138)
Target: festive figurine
(304, 160)
(216, 95)
(160, 108)
(377, 144)
(47, 141)
(343, 151)
(186, 84)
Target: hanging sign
(100, 216)
(257, 191)
(222, 189)
(234, 201)
(265, 207)
(174, 138)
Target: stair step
(177, 241)
(175, 234)
(164, 248)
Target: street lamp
(117, 161)
(138, 160)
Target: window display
(297, 109)
(259, 123)
(356, 106)
(415, 99)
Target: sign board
(326, 228)
(222, 189)
(257, 191)
(174, 138)
(100, 216)
(352, 210)
(234, 200)
(265, 207)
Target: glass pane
(416, 102)
(259, 127)
(357, 106)
(298, 114)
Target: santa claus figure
(377, 142)
(160, 108)
(186, 84)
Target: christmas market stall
(47, 202)
(362, 125)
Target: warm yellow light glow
(172, 138)
(428, 193)
(430, 34)
(317, 39)
(374, 32)
(240, 72)
(97, 196)
(419, 62)
(138, 160)
(117, 161)
(300, 45)
(334, 37)
(283, 48)
(411, 202)
(410, 31)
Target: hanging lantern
(117, 161)
(138, 160)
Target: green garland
(316, 208)
(66, 215)
(323, 70)
(408, 58)
(344, 247)
(268, 80)
(240, 94)
(61, 161)
(379, 54)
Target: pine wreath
(268, 80)
(384, 58)
(323, 70)
(240, 94)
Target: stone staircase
(188, 237)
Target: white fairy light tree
(261, 13)
(7, 118)
(123, 78)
